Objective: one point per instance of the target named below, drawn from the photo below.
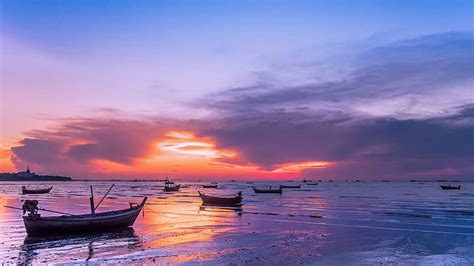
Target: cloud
(371, 147)
(76, 142)
(405, 110)
(407, 79)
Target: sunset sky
(238, 89)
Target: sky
(238, 89)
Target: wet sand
(362, 223)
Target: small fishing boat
(210, 186)
(290, 186)
(448, 187)
(221, 201)
(312, 184)
(169, 187)
(268, 190)
(65, 224)
(24, 190)
(37, 225)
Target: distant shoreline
(36, 178)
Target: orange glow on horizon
(6, 165)
(179, 154)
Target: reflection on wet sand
(76, 248)
(171, 223)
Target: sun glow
(299, 166)
(185, 143)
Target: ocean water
(343, 223)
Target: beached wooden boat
(290, 186)
(209, 186)
(96, 222)
(221, 201)
(447, 187)
(268, 190)
(24, 190)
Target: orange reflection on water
(175, 221)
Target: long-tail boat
(447, 187)
(221, 201)
(37, 225)
(24, 190)
(269, 190)
(290, 186)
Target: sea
(332, 223)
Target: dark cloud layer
(70, 147)
(362, 146)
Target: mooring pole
(92, 202)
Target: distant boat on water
(449, 187)
(290, 186)
(268, 190)
(171, 186)
(312, 184)
(221, 201)
(24, 190)
(210, 186)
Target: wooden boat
(171, 187)
(221, 201)
(66, 224)
(36, 225)
(24, 190)
(209, 186)
(448, 187)
(269, 190)
(290, 186)
(312, 184)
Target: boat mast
(92, 202)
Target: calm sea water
(332, 223)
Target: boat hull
(289, 186)
(171, 188)
(210, 200)
(450, 187)
(70, 224)
(36, 191)
(270, 191)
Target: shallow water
(332, 223)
